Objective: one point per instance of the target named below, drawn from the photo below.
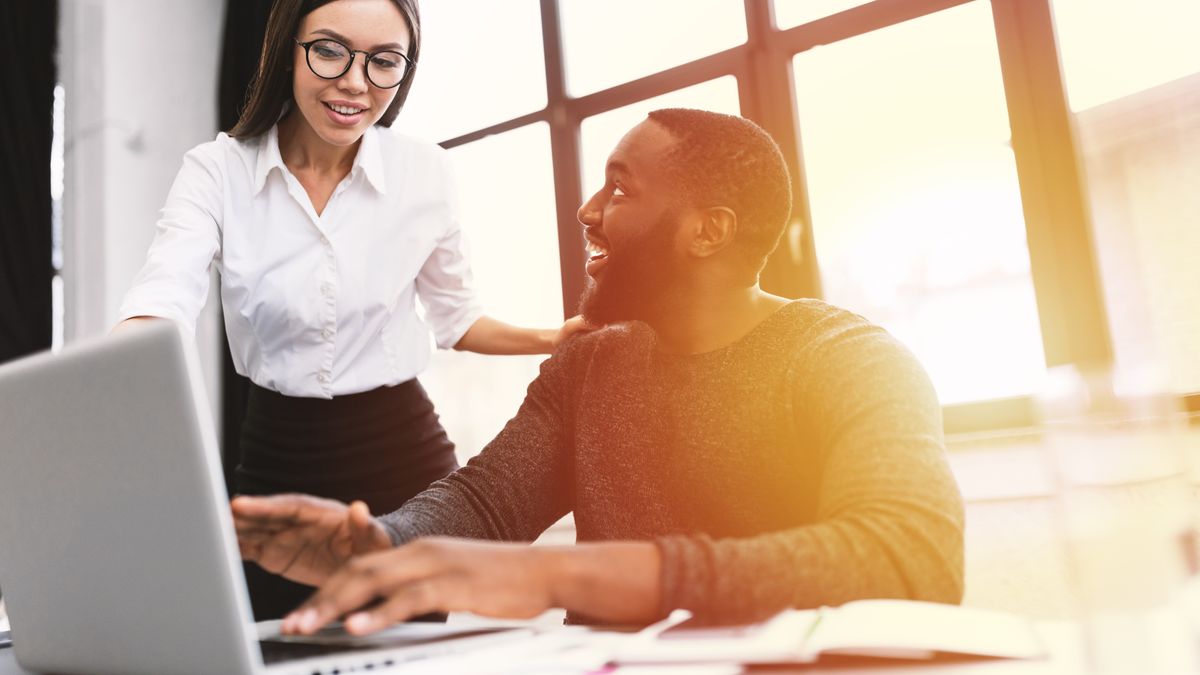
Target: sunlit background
(908, 164)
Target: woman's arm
(132, 321)
(173, 282)
(490, 336)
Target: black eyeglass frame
(410, 65)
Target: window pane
(599, 134)
(506, 204)
(914, 198)
(481, 63)
(1114, 48)
(1133, 78)
(789, 13)
(607, 43)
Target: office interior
(1007, 186)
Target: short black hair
(726, 160)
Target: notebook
(896, 629)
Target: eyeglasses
(330, 59)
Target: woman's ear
(713, 231)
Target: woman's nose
(355, 79)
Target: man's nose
(589, 212)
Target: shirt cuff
(132, 307)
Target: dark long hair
(271, 88)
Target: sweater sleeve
(889, 518)
(519, 484)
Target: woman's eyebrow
(341, 38)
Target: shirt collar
(268, 158)
(368, 161)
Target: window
(57, 164)
(790, 13)
(481, 63)
(509, 226)
(608, 43)
(916, 208)
(1133, 81)
(922, 210)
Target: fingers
(366, 534)
(412, 599)
(249, 550)
(571, 327)
(260, 518)
(291, 509)
(387, 575)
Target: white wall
(141, 79)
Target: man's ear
(713, 231)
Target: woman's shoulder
(225, 150)
(399, 145)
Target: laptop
(117, 548)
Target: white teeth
(344, 110)
(596, 249)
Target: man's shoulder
(809, 320)
(617, 337)
(821, 335)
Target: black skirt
(382, 447)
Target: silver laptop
(117, 548)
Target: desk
(1061, 638)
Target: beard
(636, 284)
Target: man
(723, 450)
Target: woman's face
(341, 109)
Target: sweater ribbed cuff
(686, 574)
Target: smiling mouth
(347, 111)
(597, 254)
(596, 251)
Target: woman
(326, 230)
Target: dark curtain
(245, 25)
(28, 37)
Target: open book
(901, 629)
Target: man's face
(631, 226)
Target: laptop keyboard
(279, 650)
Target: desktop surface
(1062, 638)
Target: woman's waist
(317, 358)
(391, 403)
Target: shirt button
(323, 377)
(327, 333)
(327, 288)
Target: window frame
(1063, 262)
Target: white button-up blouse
(315, 306)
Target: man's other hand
(304, 538)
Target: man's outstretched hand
(305, 539)
(611, 582)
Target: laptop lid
(117, 552)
